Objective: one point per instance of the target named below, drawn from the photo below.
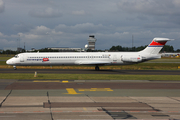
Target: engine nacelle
(134, 58)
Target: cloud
(176, 3)
(46, 13)
(71, 36)
(150, 7)
(1, 6)
(155, 13)
(83, 28)
(80, 12)
(22, 27)
(161, 25)
(112, 22)
(1, 35)
(40, 30)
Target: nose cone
(7, 62)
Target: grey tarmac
(89, 102)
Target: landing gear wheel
(15, 68)
(97, 68)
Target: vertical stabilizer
(156, 45)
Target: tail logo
(157, 44)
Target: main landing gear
(97, 68)
(14, 67)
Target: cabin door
(114, 57)
(21, 58)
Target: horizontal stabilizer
(162, 39)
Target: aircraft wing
(92, 62)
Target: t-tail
(153, 49)
(156, 45)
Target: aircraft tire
(15, 68)
(97, 68)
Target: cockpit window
(16, 56)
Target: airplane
(89, 58)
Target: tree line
(166, 48)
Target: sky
(68, 23)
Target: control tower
(91, 42)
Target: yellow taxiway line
(71, 91)
(96, 89)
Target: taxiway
(76, 99)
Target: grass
(6, 57)
(142, 66)
(88, 76)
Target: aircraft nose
(8, 62)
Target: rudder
(156, 45)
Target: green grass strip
(88, 76)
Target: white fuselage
(81, 58)
(89, 58)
